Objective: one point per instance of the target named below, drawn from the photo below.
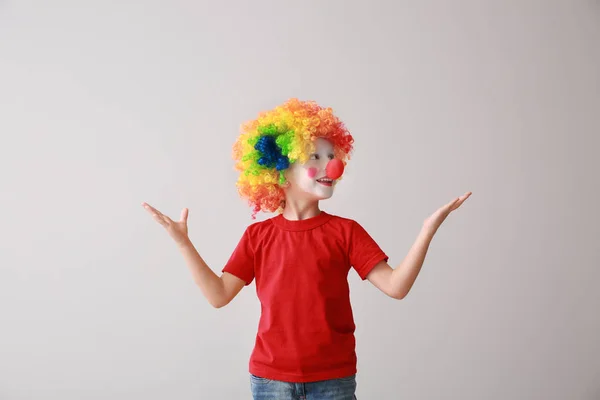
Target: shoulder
(343, 221)
(345, 225)
(258, 227)
(254, 233)
(351, 227)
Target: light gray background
(106, 104)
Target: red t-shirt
(306, 328)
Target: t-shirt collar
(301, 225)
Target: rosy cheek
(312, 172)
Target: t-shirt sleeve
(241, 261)
(365, 253)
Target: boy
(290, 158)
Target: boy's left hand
(434, 221)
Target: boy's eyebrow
(323, 151)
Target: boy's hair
(268, 145)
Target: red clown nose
(335, 168)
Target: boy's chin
(324, 196)
(315, 195)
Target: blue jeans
(333, 389)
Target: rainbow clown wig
(268, 145)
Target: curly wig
(269, 144)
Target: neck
(299, 209)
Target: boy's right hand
(178, 230)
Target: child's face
(309, 180)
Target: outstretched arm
(397, 282)
(218, 290)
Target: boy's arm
(219, 291)
(397, 282)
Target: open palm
(436, 219)
(178, 230)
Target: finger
(461, 200)
(157, 215)
(464, 197)
(151, 209)
(449, 205)
(184, 215)
(160, 219)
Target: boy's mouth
(325, 181)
